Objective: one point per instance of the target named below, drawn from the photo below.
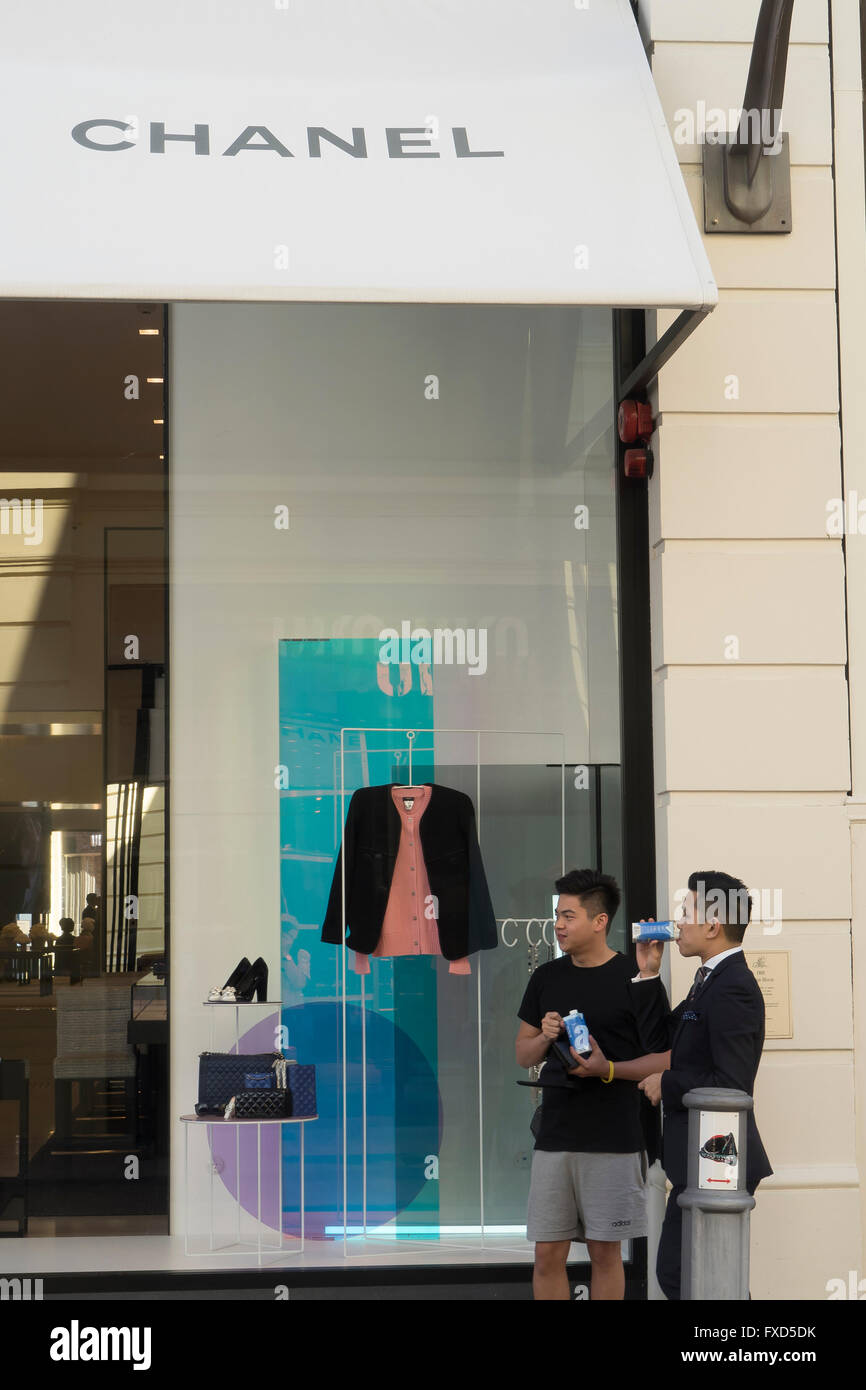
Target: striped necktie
(700, 975)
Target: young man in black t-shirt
(589, 1166)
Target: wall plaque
(772, 970)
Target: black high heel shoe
(255, 981)
(239, 973)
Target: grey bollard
(716, 1205)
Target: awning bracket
(646, 371)
(747, 171)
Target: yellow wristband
(609, 1077)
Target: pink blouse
(410, 925)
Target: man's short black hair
(597, 892)
(725, 898)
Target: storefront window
(393, 564)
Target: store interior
(83, 1014)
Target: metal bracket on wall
(747, 172)
(732, 204)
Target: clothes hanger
(410, 787)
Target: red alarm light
(634, 421)
(638, 463)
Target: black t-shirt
(627, 1019)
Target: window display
(440, 596)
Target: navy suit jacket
(716, 1040)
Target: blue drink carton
(578, 1032)
(654, 931)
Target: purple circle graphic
(403, 1109)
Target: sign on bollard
(716, 1205)
(719, 1153)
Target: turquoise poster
(370, 1157)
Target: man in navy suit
(717, 1035)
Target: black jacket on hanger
(451, 856)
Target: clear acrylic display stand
(363, 1233)
(239, 1246)
(217, 1006)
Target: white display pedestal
(238, 1246)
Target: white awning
(507, 151)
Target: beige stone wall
(751, 636)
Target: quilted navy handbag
(222, 1074)
(301, 1081)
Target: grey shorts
(586, 1196)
